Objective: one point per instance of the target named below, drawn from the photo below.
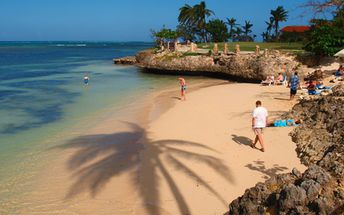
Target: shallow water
(44, 101)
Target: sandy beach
(189, 157)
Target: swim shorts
(258, 131)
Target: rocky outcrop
(249, 67)
(313, 192)
(129, 60)
(320, 145)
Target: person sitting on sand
(182, 84)
(311, 87)
(294, 84)
(339, 72)
(279, 78)
(259, 121)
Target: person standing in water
(86, 79)
(182, 84)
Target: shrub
(325, 40)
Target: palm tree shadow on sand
(98, 158)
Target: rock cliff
(244, 67)
(320, 145)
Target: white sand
(193, 159)
(220, 118)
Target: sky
(125, 20)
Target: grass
(251, 46)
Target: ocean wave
(71, 45)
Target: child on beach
(259, 121)
(182, 84)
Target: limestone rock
(320, 145)
(338, 90)
(248, 67)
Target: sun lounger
(283, 82)
(269, 80)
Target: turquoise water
(43, 98)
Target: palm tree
(232, 23)
(186, 15)
(270, 25)
(265, 36)
(278, 15)
(247, 28)
(201, 13)
(237, 32)
(195, 16)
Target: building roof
(299, 28)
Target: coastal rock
(129, 60)
(338, 90)
(244, 67)
(320, 145)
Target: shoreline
(89, 169)
(102, 123)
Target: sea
(43, 99)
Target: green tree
(186, 15)
(201, 13)
(247, 27)
(232, 23)
(164, 35)
(217, 30)
(195, 17)
(326, 40)
(238, 31)
(270, 26)
(339, 17)
(186, 32)
(278, 15)
(265, 36)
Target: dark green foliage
(194, 17)
(247, 27)
(218, 30)
(325, 40)
(164, 35)
(294, 36)
(232, 23)
(268, 36)
(186, 32)
(339, 17)
(278, 15)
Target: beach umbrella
(340, 53)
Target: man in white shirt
(259, 121)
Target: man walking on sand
(294, 84)
(259, 121)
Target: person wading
(182, 84)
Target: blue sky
(129, 20)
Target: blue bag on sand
(276, 123)
(283, 123)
